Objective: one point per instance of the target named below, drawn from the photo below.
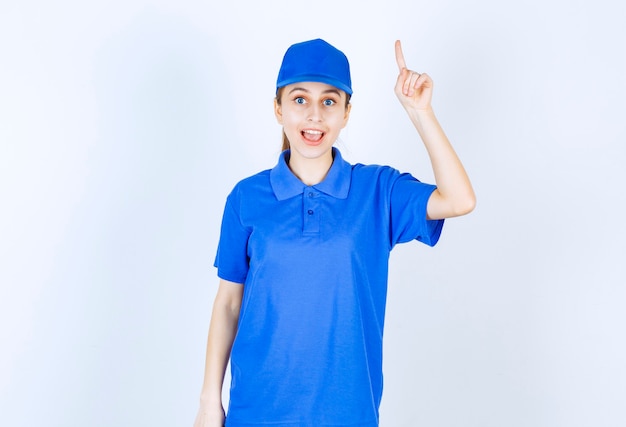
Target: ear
(278, 112)
(347, 115)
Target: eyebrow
(295, 89)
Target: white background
(124, 124)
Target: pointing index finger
(400, 56)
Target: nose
(315, 113)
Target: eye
(329, 102)
(300, 100)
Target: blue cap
(315, 61)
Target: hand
(209, 417)
(414, 90)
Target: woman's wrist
(421, 114)
(211, 400)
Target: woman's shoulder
(383, 177)
(256, 179)
(253, 182)
(370, 171)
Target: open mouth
(312, 136)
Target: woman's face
(312, 115)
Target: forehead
(313, 88)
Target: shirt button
(310, 211)
(311, 194)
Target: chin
(311, 151)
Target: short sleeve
(232, 260)
(409, 199)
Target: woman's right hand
(210, 417)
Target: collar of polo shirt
(336, 184)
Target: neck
(311, 171)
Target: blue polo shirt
(314, 263)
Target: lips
(312, 136)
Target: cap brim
(315, 78)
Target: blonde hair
(279, 93)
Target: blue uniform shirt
(314, 264)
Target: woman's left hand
(414, 90)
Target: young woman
(303, 256)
